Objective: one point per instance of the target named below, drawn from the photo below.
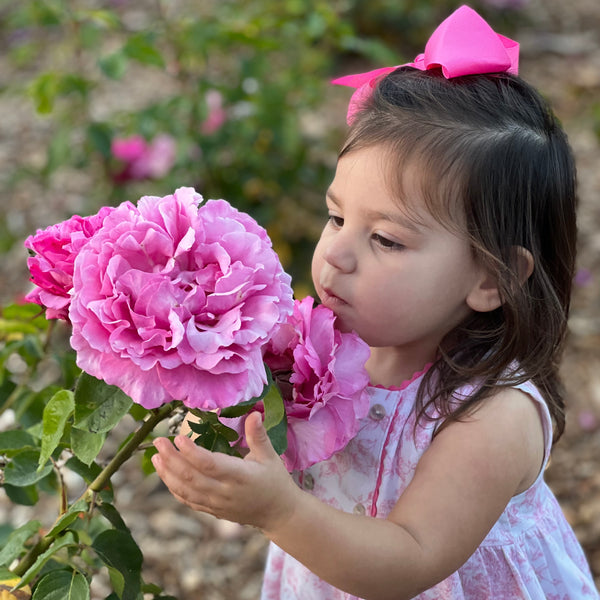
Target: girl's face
(402, 284)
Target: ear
(485, 295)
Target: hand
(256, 490)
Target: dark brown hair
(491, 147)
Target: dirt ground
(196, 557)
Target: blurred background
(106, 101)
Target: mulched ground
(197, 557)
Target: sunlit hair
(494, 163)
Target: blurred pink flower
(143, 160)
(326, 370)
(583, 277)
(51, 266)
(216, 113)
(588, 420)
(175, 302)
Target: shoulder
(509, 425)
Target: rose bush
(174, 302)
(321, 374)
(51, 265)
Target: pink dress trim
(406, 382)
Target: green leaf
(87, 472)
(26, 496)
(16, 540)
(100, 138)
(25, 312)
(274, 408)
(147, 466)
(23, 468)
(118, 550)
(140, 47)
(63, 542)
(238, 410)
(57, 412)
(117, 580)
(113, 516)
(69, 517)
(15, 440)
(86, 445)
(113, 65)
(44, 90)
(62, 585)
(278, 436)
(98, 406)
(104, 18)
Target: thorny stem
(126, 451)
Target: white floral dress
(531, 552)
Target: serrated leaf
(23, 469)
(98, 406)
(62, 585)
(231, 435)
(56, 413)
(16, 540)
(118, 550)
(86, 445)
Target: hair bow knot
(463, 44)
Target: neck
(389, 368)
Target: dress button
(359, 509)
(308, 481)
(377, 412)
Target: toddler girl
(450, 250)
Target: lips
(330, 299)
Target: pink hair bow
(463, 44)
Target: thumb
(257, 439)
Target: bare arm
(460, 488)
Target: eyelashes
(380, 240)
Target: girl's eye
(336, 221)
(386, 243)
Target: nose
(340, 252)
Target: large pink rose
(175, 302)
(327, 395)
(51, 266)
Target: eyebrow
(396, 217)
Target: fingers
(258, 441)
(188, 471)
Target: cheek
(316, 265)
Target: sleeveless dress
(531, 552)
